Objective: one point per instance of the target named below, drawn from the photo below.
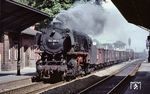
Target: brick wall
(5, 64)
(28, 50)
(9, 52)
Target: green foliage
(26, 2)
(119, 44)
(51, 7)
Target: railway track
(115, 83)
(29, 87)
(32, 88)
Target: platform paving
(141, 83)
(7, 76)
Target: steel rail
(109, 77)
(117, 88)
(40, 86)
(29, 89)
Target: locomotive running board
(77, 53)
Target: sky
(117, 28)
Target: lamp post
(129, 43)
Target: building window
(9, 54)
(16, 52)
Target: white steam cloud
(86, 17)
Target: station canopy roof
(135, 11)
(30, 31)
(17, 17)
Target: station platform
(6, 76)
(8, 79)
(141, 83)
(28, 72)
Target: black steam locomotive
(64, 53)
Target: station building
(17, 43)
(9, 50)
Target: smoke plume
(82, 17)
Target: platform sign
(135, 85)
(148, 42)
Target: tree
(119, 44)
(51, 7)
(107, 45)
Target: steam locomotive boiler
(64, 53)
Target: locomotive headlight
(94, 43)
